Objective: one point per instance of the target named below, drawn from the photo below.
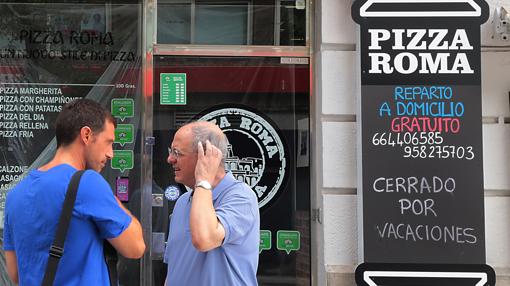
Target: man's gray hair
(203, 132)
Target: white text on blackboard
(409, 58)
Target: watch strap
(204, 185)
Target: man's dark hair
(77, 114)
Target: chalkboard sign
(421, 131)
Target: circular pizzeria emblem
(256, 154)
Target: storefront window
(242, 22)
(222, 24)
(174, 23)
(53, 53)
(262, 105)
(292, 31)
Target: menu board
(51, 54)
(26, 115)
(421, 131)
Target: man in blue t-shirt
(84, 134)
(214, 230)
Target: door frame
(151, 48)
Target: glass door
(262, 105)
(52, 52)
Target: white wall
(335, 116)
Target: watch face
(204, 184)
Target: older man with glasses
(214, 232)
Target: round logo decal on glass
(256, 153)
(172, 193)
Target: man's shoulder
(65, 173)
(230, 182)
(17, 189)
(94, 183)
(241, 189)
(92, 176)
(181, 201)
(32, 180)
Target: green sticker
(288, 240)
(265, 240)
(123, 108)
(124, 134)
(172, 89)
(122, 160)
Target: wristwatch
(204, 185)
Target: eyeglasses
(174, 152)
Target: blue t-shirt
(235, 261)
(32, 212)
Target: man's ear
(85, 134)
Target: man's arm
(129, 243)
(206, 231)
(12, 265)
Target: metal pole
(147, 31)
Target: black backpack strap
(57, 248)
